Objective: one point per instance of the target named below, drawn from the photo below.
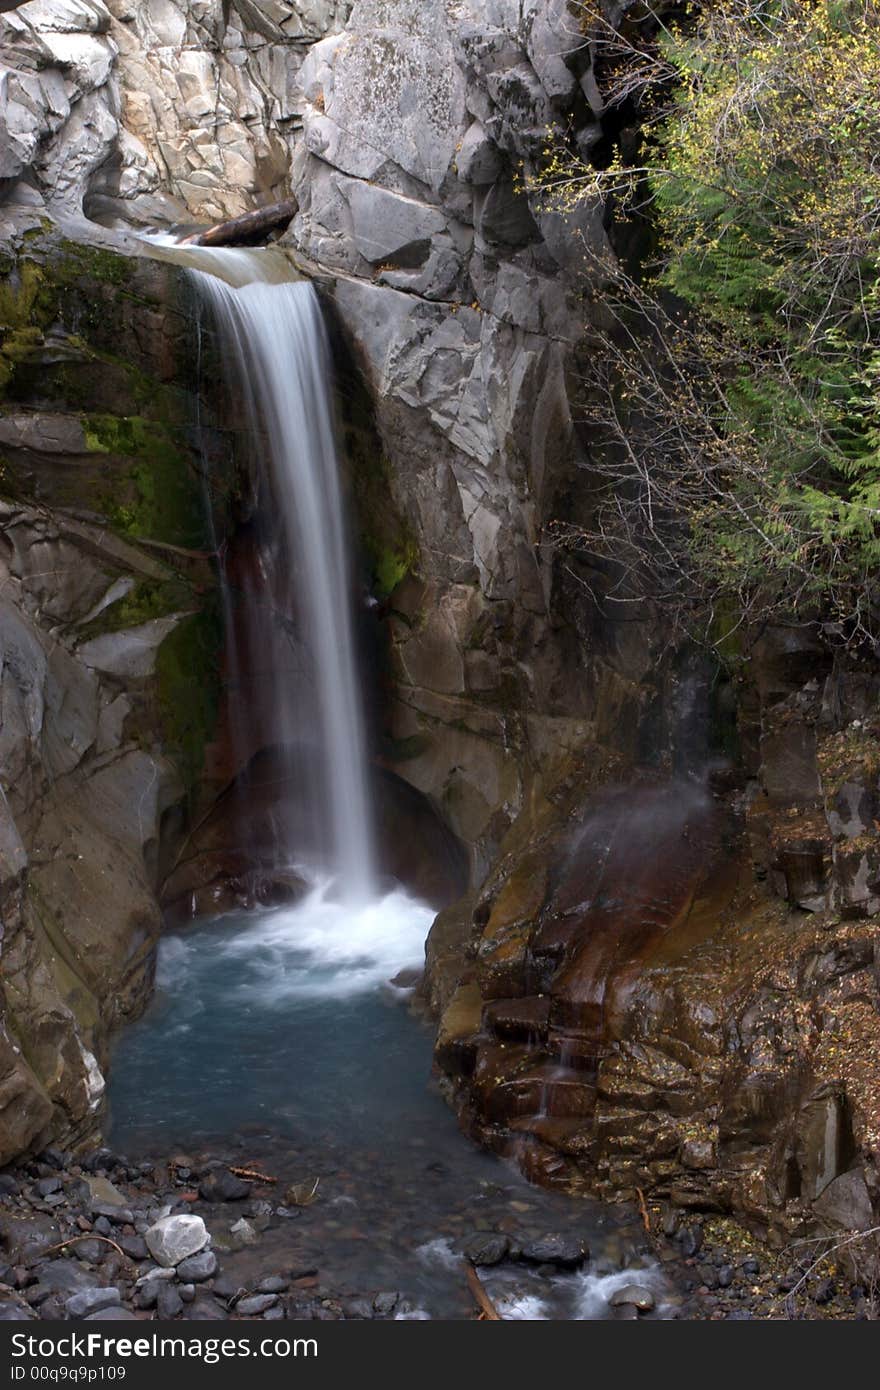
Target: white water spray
(272, 330)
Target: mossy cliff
(110, 638)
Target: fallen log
(245, 227)
(487, 1308)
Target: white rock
(129, 653)
(175, 1238)
(66, 16)
(244, 1231)
(151, 1275)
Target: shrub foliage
(739, 388)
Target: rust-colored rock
(691, 1006)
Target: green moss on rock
(78, 261)
(145, 601)
(25, 312)
(390, 564)
(389, 548)
(162, 498)
(188, 683)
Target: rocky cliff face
(104, 637)
(176, 109)
(406, 133)
(672, 990)
(109, 636)
(653, 985)
(421, 124)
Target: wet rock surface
(649, 996)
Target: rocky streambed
(279, 1150)
(99, 1237)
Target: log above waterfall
(244, 228)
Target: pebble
(244, 1232)
(273, 1284)
(204, 1308)
(94, 1251)
(147, 1294)
(691, 1241)
(489, 1249)
(198, 1268)
(255, 1305)
(669, 1223)
(359, 1308)
(154, 1274)
(219, 1185)
(117, 1216)
(87, 1301)
(15, 1312)
(635, 1295)
(102, 1194)
(168, 1303)
(384, 1304)
(174, 1238)
(135, 1247)
(225, 1286)
(563, 1252)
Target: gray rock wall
(186, 107)
(99, 729)
(407, 133)
(422, 123)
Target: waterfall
(273, 339)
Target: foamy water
(594, 1291)
(320, 949)
(520, 1294)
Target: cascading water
(272, 334)
(291, 651)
